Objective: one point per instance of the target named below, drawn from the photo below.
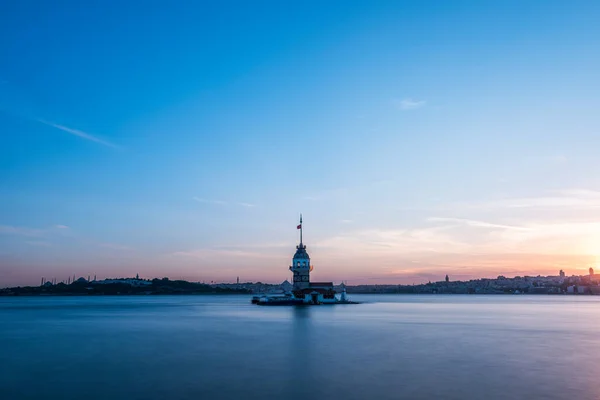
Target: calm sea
(222, 347)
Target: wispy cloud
(80, 134)
(222, 203)
(553, 204)
(385, 242)
(467, 240)
(260, 257)
(559, 199)
(475, 223)
(20, 231)
(31, 232)
(206, 201)
(218, 255)
(409, 104)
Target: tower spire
(301, 229)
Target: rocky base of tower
(304, 297)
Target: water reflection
(301, 368)
(219, 347)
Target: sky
(417, 138)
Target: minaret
(301, 264)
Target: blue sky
(418, 138)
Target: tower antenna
(300, 229)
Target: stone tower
(301, 264)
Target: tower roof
(301, 252)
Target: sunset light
(300, 200)
(410, 163)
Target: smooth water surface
(222, 347)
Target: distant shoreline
(121, 287)
(119, 294)
(249, 294)
(560, 284)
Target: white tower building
(301, 264)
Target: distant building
(561, 273)
(591, 271)
(130, 282)
(577, 289)
(447, 279)
(286, 286)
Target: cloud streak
(476, 224)
(409, 104)
(20, 231)
(222, 256)
(30, 232)
(469, 240)
(80, 134)
(206, 201)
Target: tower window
(298, 264)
